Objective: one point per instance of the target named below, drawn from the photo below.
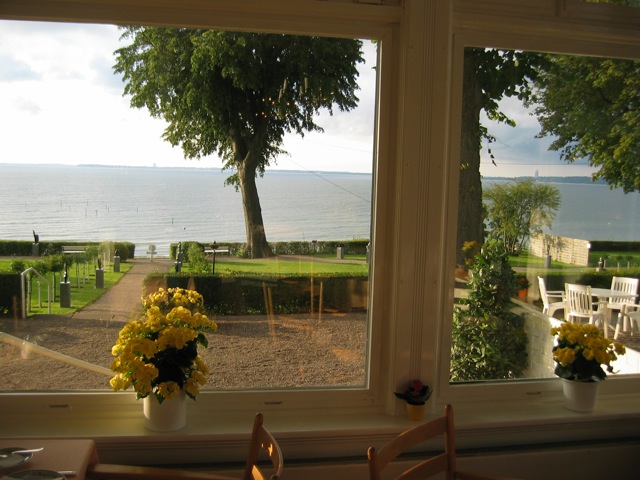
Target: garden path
(123, 301)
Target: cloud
(14, 70)
(27, 106)
(63, 89)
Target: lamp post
(214, 247)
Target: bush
(244, 294)
(488, 348)
(10, 294)
(488, 340)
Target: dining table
(69, 457)
(604, 294)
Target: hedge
(244, 294)
(23, 248)
(351, 247)
(555, 280)
(10, 294)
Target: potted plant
(522, 286)
(416, 395)
(157, 355)
(580, 352)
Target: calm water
(162, 206)
(595, 212)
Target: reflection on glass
(93, 178)
(554, 152)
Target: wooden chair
(442, 463)
(261, 439)
(549, 302)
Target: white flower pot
(166, 416)
(580, 396)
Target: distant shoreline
(551, 179)
(175, 168)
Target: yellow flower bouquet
(158, 353)
(582, 350)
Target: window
(540, 199)
(286, 322)
(415, 191)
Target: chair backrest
(579, 300)
(262, 440)
(444, 462)
(626, 285)
(543, 293)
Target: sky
(62, 103)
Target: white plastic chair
(628, 313)
(627, 285)
(580, 304)
(549, 305)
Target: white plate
(12, 459)
(34, 475)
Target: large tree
(236, 95)
(517, 209)
(591, 107)
(489, 76)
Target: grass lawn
(278, 266)
(525, 260)
(83, 291)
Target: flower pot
(166, 416)
(580, 396)
(522, 294)
(416, 412)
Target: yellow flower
(171, 323)
(587, 342)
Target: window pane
(81, 167)
(552, 172)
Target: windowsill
(212, 436)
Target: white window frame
(415, 208)
(474, 26)
(273, 16)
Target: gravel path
(246, 351)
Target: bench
(220, 249)
(74, 249)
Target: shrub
(488, 340)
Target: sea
(160, 206)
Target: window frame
(415, 209)
(372, 23)
(520, 31)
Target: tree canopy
(591, 107)
(236, 94)
(489, 76)
(517, 209)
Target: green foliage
(488, 340)
(489, 76)
(589, 106)
(236, 95)
(517, 209)
(244, 293)
(491, 281)
(18, 266)
(197, 260)
(22, 248)
(488, 348)
(357, 247)
(10, 293)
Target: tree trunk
(470, 216)
(254, 225)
